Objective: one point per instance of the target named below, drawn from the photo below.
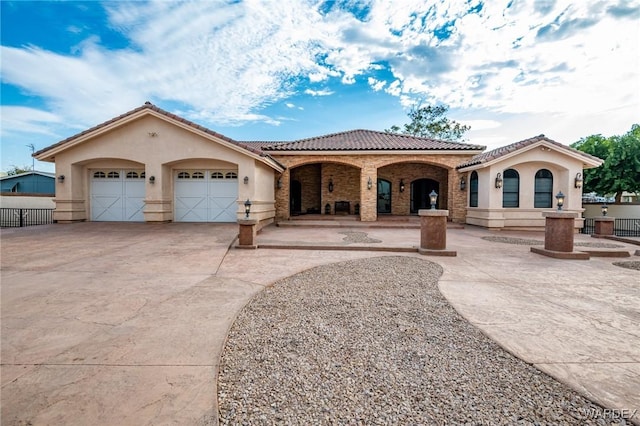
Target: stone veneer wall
(351, 181)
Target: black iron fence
(621, 227)
(14, 218)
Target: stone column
(247, 234)
(433, 233)
(558, 236)
(604, 226)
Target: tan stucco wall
(490, 212)
(170, 148)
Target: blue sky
(290, 69)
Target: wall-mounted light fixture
(401, 185)
(604, 209)
(560, 199)
(499, 180)
(330, 185)
(433, 198)
(369, 183)
(247, 208)
(152, 134)
(463, 183)
(246, 180)
(152, 179)
(578, 181)
(279, 183)
(61, 178)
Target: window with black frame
(511, 189)
(543, 197)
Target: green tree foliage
(431, 122)
(621, 168)
(16, 170)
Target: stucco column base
(604, 225)
(247, 234)
(433, 233)
(558, 236)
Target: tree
(431, 122)
(16, 170)
(620, 171)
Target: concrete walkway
(125, 323)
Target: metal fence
(14, 217)
(621, 227)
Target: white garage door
(117, 195)
(206, 195)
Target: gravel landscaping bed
(373, 341)
(528, 242)
(629, 264)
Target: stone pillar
(558, 236)
(604, 226)
(247, 234)
(433, 233)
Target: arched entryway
(296, 197)
(384, 197)
(420, 190)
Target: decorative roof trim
(377, 152)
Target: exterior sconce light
(463, 183)
(499, 180)
(560, 198)
(279, 184)
(152, 179)
(604, 209)
(247, 208)
(61, 178)
(401, 185)
(246, 180)
(578, 182)
(330, 185)
(369, 183)
(433, 198)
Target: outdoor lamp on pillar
(401, 185)
(330, 185)
(604, 209)
(499, 180)
(463, 183)
(433, 198)
(578, 181)
(369, 183)
(61, 178)
(560, 199)
(247, 208)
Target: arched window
(217, 175)
(197, 175)
(231, 175)
(473, 189)
(184, 175)
(132, 175)
(511, 189)
(543, 189)
(99, 175)
(113, 175)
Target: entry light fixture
(279, 183)
(330, 185)
(463, 183)
(61, 178)
(433, 198)
(247, 208)
(604, 209)
(369, 183)
(246, 180)
(560, 198)
(401, 185)
(152, 179)
(499, 180)
(578, 181)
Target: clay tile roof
(369, 140)
(504, 150)
(150, 106)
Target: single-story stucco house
(154, 166)
(32, 182)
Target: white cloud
(324, 92)
(17, 119)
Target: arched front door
(384, 196)
(420, 190)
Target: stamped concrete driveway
(114, 323)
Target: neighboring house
(33, 182)
(151, 165)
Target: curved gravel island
(373, 341)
